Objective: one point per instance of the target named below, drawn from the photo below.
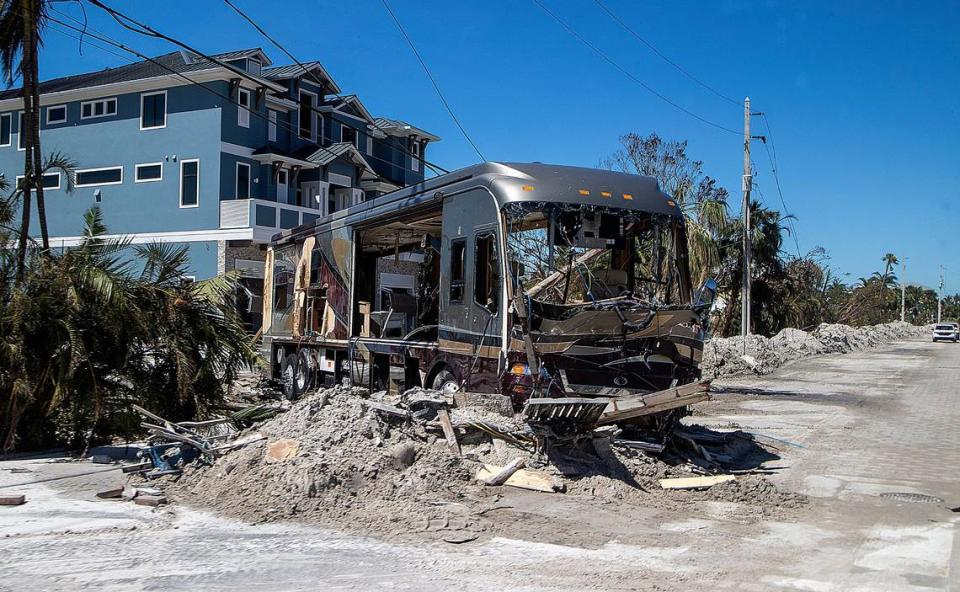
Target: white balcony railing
(260, 214)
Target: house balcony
(264, 218)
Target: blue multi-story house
(186, 150)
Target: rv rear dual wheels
(296, 375)
(445, 382)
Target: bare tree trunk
(31, 80)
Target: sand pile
(335, 459)
(727, 356)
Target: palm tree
(889, 261)
(21, 24)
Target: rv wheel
(291, 377)
(446, 382)
(306, 372)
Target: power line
(653, 48)
(433, 81)
(132, 24)
(776, 176)
(310, 73)
(628, 74)
(106, 39)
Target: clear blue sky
(863, 97)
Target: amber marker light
(584, 192)
(671, 203)
(606, 193)
(627, 196)
(527, 187)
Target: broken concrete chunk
(113, 492)
(281, 450)
(490, 401)
(150, 500)
(101, 459)
(12, 499)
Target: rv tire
(445, 381)
(289, 371)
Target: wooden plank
(500, 477)
(523, 478)
(639, 405)
(448, 432)
(695, 482)
(387, 409)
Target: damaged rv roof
(518, 182)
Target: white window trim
(136, 172)
(244, 112)
(416, 156)
(64, 120)
(180, 189)
(369, 145)
(20, 133)
(16, 182)
(285, 185)
(150, 94)
(10, 117)
(259, 71)
(110, 168)
(316, 130)
(236, 181)
(271, 125)
(94, 102)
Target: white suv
(945, 331)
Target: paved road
(861, 425)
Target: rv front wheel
(446, 382)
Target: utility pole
(903, 289)
(940, 297)
(747, 254)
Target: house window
(144, 173)
(153, 110)
(243, 111)
(307, 116)
(348, 134)
(98, 108)
(282, 188)
(272, 126)
(243, 180)
(415, 152)
(104, 176)
(486, 288)
(189, 183)
(370, 145)
(56, 114)
(6, 123)
(21, 134)
(50, 180)
(458, 252)
(254, 66)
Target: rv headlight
(519, 368)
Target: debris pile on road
(426, 462)
(725, 356)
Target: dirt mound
(726, 356)
(337, 458)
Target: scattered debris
(522, 478)
(12, 499)
(281, 450)
(113, 492)
(150, 500)
(500, 476)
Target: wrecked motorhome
(526, 280)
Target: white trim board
(185, 236)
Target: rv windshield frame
(573, 254)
